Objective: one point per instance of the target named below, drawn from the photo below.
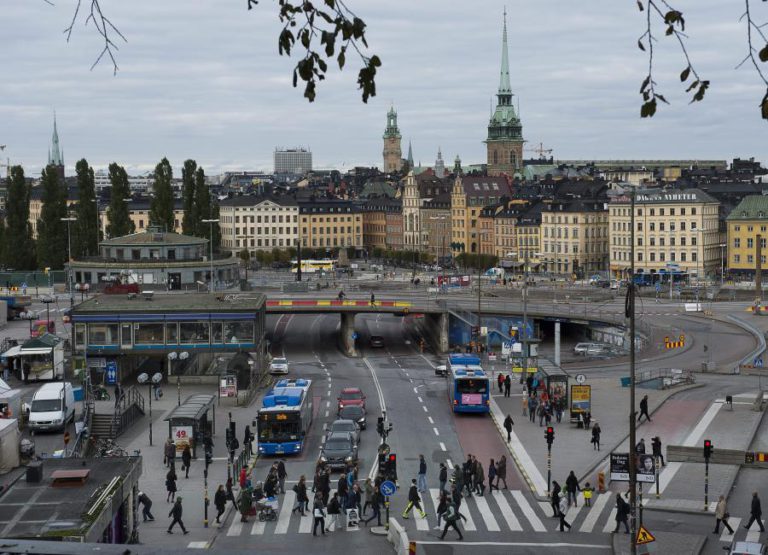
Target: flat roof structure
(176, 302)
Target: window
(672, 256)
(661, 241)
(639, 241)
(682, 226)
(671, 241)
(652, 226)
(693, 241)
(682, 241)
(653, 257)
(661, 257)
(661, 211)
(148, 334)
(661, 226)
(653, 241)
(750, 243)
(737, 243)
(639, 257)
(682, 257)
(694, 257)
(762, 243)
(194, 332)
(126, 339)
(640, 226)
(693, 211)
(80, 335)
(102, 334)
(693, 225)
(671, 226)
(750, 259)
(653, 212)
(172, 333)
(682, 211)
(737, 258)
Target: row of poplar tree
(21, 251)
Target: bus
(469, 387)
(285, 417)
(309, 266)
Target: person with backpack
(622, 513)
(450, 516)
(318, 511)
(564, 504)
(334, 510)
(413, 501)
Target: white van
(53, 405)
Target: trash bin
(625, 381)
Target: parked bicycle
(100, 393)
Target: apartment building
(574, 237)
(469, 195)
(258, 223)
(330, 223)
(747, 230)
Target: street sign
(387, 488)
(758, 362)
(644, 536)
(580, 379)
(354, 335)
(111, 370)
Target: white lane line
(434, 493)
(284, 518)
(528, 511)
(506, 512)
(485, 512)
(693, 439)
(236, 527)
(327, 404)
(590, 520)
(442, 446)
(258, 528)
(425, 408)
(329, 378)
(753, 534)
(611, 523)
(726, 536)
(382, 407)
(421, 523)
(536, 545)
(306, 522)
(415, 390)
(469, 525)
(436, 432)
(430, 420)
(449, 463)
(420, 399)
(326, 414)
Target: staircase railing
(128, 408)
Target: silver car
(278, 366)
(345, 426)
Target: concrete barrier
(398, 537)
(680, 453)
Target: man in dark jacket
(146, 511)
(755, 513)
(176, 514)
(657, 454)
(281, 475)
(622, 513)
(468, 468)
(554, 498)
(422, 475)
(572, 486)
(443, 477)
(507, 385)
(375, 502)
(508, 423)
(413, 501)
(644, 409)
(220, 502)
(342, 489)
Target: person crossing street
(451, 516)
(755, 513)
(175, 513)
(413, 501)
(644, 409)
(721, 515)
(508, 423)
(422, 475)
(564, 504)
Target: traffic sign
(644, 536)
(354, 335)
(758, 362)
(387, 488)
(580, 379)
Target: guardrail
(682, 453)
(748, 360)
(129, 408)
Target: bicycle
(100, 393)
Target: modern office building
(297, 161)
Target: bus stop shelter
(191, 421)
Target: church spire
(410, 155)
(504, 85)
(55, 156)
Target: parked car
(746, 548)
(345, 424)
(590, 349)
(356, 413)
(351, 396)
(339, 450)
(278, 366)
(377, 341)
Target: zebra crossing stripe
(258, 528)
(528, 511)
(753, 534)
(469, 525)
(734, 522)
(590, 520)
(506, 512)
(573, 512)
(487, 514)
(610, 524)
(434, 494)
(236, 527)
(421, 523)
(305, 523)
(284, 518)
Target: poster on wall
(228, 386)
(182, 436)
(581, 399)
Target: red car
(351, 396)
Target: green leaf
(764, 54)
(640, 45)
(342, 58)
(305, 38)
(669, 30)
(375, 61)
(660, 97)
(685, 73)
(648, 109)
(330, 3)
(646, 81)
(692, 86)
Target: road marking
(573, 512)
(528, 511)
(434, 493)
(436, 432)
(327, 404)
(610, 524)
(753, 534)
(469, 525)
(420, 400)
(415, 390)
(594, 512)
(197, 545)
(329, 378)
(258, 528)
(693, 439)
(382, 407)
(425, 408)
(305, 524)
(430, 420)
(516, 544)
(734, 522)
(506, 512)
(485, 512)
(421, 523)
(236, 527)
(284, 518)
(326, 414)
(442, 446)
(449, 463)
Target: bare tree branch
(104, 28)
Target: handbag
(319, 513)
(726, 516)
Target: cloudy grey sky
(202, 79)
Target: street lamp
(173, 355)
(210, 241)
(722, 263)
(47, 300)
(143, 378)
(69, 254)
(445, 236)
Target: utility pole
(630, 313)
(758, 267)
(210, 242)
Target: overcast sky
(203, 80)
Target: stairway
(101, 426)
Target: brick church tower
(393, 155)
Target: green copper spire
(55, 154)
(504, 85)
(392, 131)
(410, 155)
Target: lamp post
(47, 300)
(143, 378)
(722, 263)
(173, 355)
(69, 254)
(210, 241)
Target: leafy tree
(202, 206)
(52, 233)
(216, 228)
(18, 245)
(190, 223)
(120, 222)
(85, 231)
(161, 206)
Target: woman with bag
(170, 485)
(186, 460)
(721, 515)
(319, 514)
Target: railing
(79, 448)
(129, 408)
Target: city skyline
(223, 96)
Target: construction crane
(540, 150)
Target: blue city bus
(469, 387)
(285, 417)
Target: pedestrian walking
(587, 491)
(596, 431)
(468, 468)
(572, 488)
(170, 485)
(146, 510)
(442, 505)
(656, 446)
(175, 514)
(525, 405)
(413, 501)
(186, 460)
(500, 382)
(586, 417)
(342, 489)
(376, 506)
(508, 423)
(507, 385)
(451, 516)
(491, 475)
(233, 446)
(169, 453)
(622, 513)
(220, 502)
(755, 513)
(479, 478)
(501, 472)
(554, 498)
(368, 494)
(533, 405)
(318, 511)
(443, 476)
(301, 496)
(282, 475)
(541, 412)
(721, 515)
(563, 506)
(248, 440)
(422, 475)
(640, 447)
(644, 409)
(334, 510)
(353, 499)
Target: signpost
(619, 468)
(387, 489)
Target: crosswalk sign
(644, 536)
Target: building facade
(394, 221)
(469, 195)
(675, 231)
(393, 154)
(330, 224)
(574, 236)
(297, 161)
(436, 227)
(411, 214)
(747, 231)
(258, 223)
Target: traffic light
(550, 435)
(392, 467)
(707, 449)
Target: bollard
(601, 482)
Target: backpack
(450, 514)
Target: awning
(37, 351)
(12, 352)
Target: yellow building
(574, 236)
(330, 223)
(747, 228)
(374, 215)
(469, 196)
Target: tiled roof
(752, 207)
